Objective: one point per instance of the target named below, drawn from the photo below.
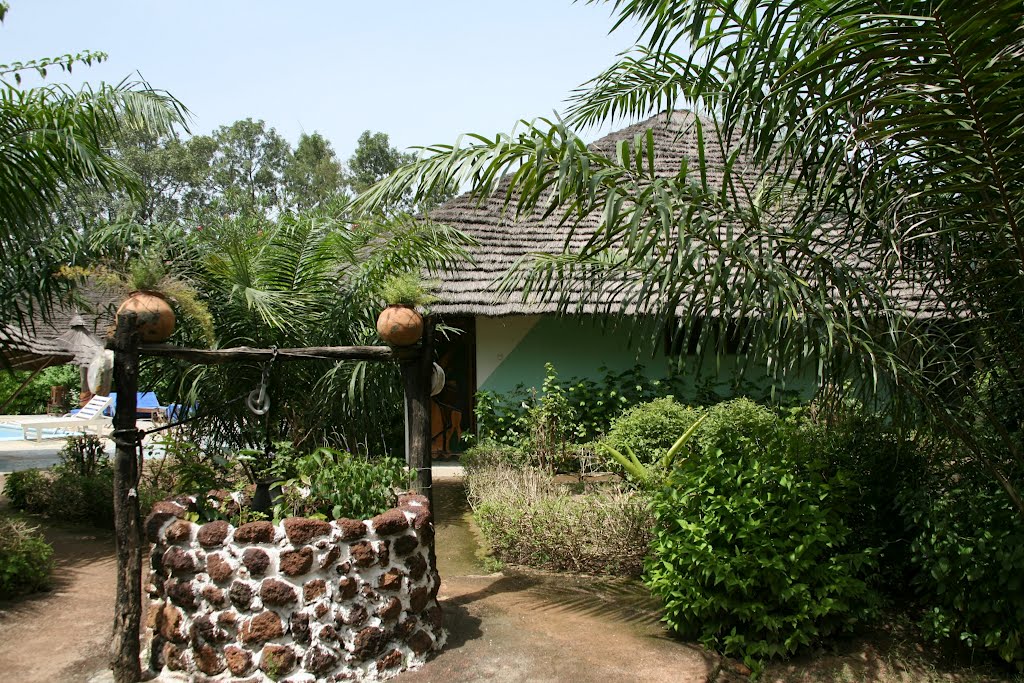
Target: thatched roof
(69, 333)
(503, 240)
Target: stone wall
(305, 600)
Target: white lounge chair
(89, 417)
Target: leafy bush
(649, 429)
(879, 465)
(335, 484)
(34, 398)
(189, 468)
(595, 403)
(64, 494)
(969, 549)
(505, 417)
(28, 490)
(83, 455)
(528, 519)
(74, 498)
(751, 554)
(25, 559)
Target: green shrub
(28, 490)
(597, 402)
(334, 484)
(64, 494)
(969, 549)
(528, 519)
(751, 554)
(25, 559)
(191, 469)
(90, 499)
(879, 465)
(650, 429)
(83, 455)
(505, 417)
(33, 399)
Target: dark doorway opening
(451, 411)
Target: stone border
(302, 601)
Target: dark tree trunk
(127, 524)
(416, 372)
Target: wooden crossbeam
(244, 353)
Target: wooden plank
(244, 353)
(124, 646)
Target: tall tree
(314, 176)
(248, 168)
(373, 160)
(174, 182)
(877, 224)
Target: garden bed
(310, 599)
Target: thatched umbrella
(83, 346)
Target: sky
(422, 72)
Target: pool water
(9, 432)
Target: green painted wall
(576, 346)
(513, 350)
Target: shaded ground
(63, 634)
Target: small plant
(83, 455)
(552, 423)
(407, 289)
(25, 559)
(332, 484)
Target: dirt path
(530, 628)
(62, 635)
(534, 626)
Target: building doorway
(451, 411)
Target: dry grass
(528, 519)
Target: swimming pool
(12, 432)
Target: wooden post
(416, 372)
(124, 647)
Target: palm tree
(881, 229)
(53, 140)
(303, 281)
